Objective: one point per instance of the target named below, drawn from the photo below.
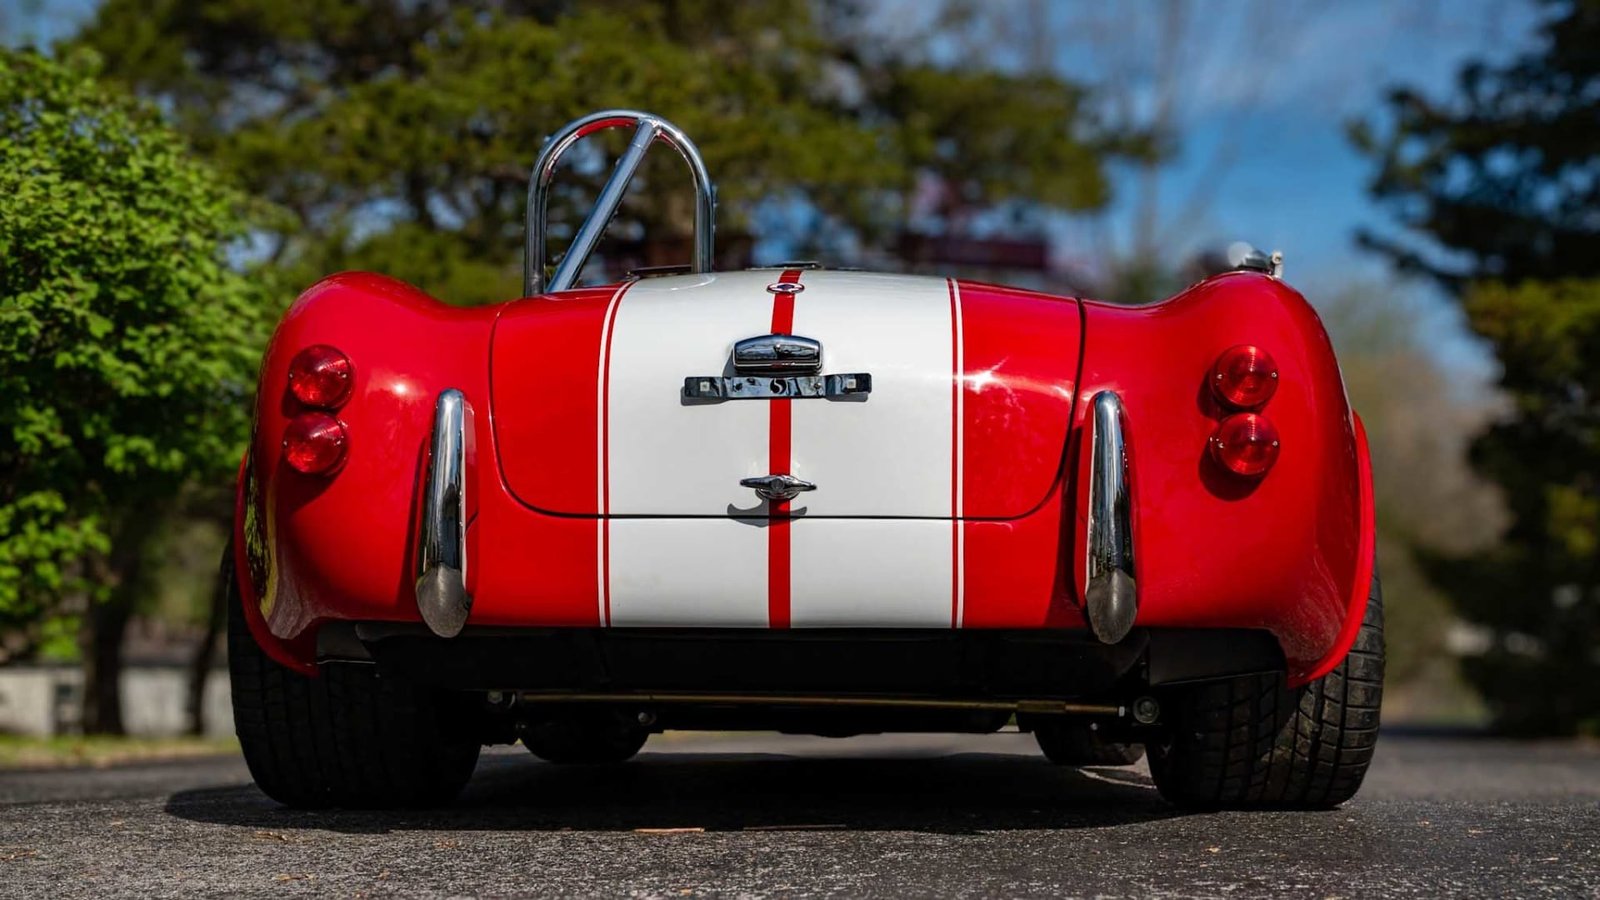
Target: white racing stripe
(891, 454)
(887, 455)
(666, 457)
(689, 572)
(870, 573)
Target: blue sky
(1296, 183)
(1264, 92)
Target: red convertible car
(812, 501)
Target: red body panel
(1290, 553)
(312, 547)
(1017, 391)
(556, 343)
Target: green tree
(1498, 187)
(401, 134)
(127, 348)
(1418, 438)
(1500, 176)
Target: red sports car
(811, 501)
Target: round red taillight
(1245, 444)
(1244, 377)
(321, 376)
(314, 443)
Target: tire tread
(351, 737)
(1249, 742)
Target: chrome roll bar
(1110, 591)
(649, 129)
(442, 596)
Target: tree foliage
(1502, 176)
(402, 134)
(127, 341)
(1500, 188)
(1418, 438)
(1540, 589)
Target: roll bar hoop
(649, 129)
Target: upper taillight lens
(1245, 444)
(314, 443)
(1244, 377)
(321, 376)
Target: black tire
(1076, 744)
(1250, 743)
(352, 737)
(600, 737)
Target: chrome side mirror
(649, 129)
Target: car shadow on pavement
(958, 794)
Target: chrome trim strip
(441, 586)
(1110, 588)
(649, 129)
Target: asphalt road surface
(766, 815)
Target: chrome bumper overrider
(1110, 593)
(442, 534)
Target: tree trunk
(106, 623)
(205, 654)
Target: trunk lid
(595, 406)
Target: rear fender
(308, 545)
(1290, 552)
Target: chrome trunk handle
(777, 486)
(649, 129)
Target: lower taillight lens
(1245, 444)
(314, 443)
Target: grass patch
(19, 752)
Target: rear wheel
(600, 737)
(1250, 743)
(1078, 744)
(351, 737)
